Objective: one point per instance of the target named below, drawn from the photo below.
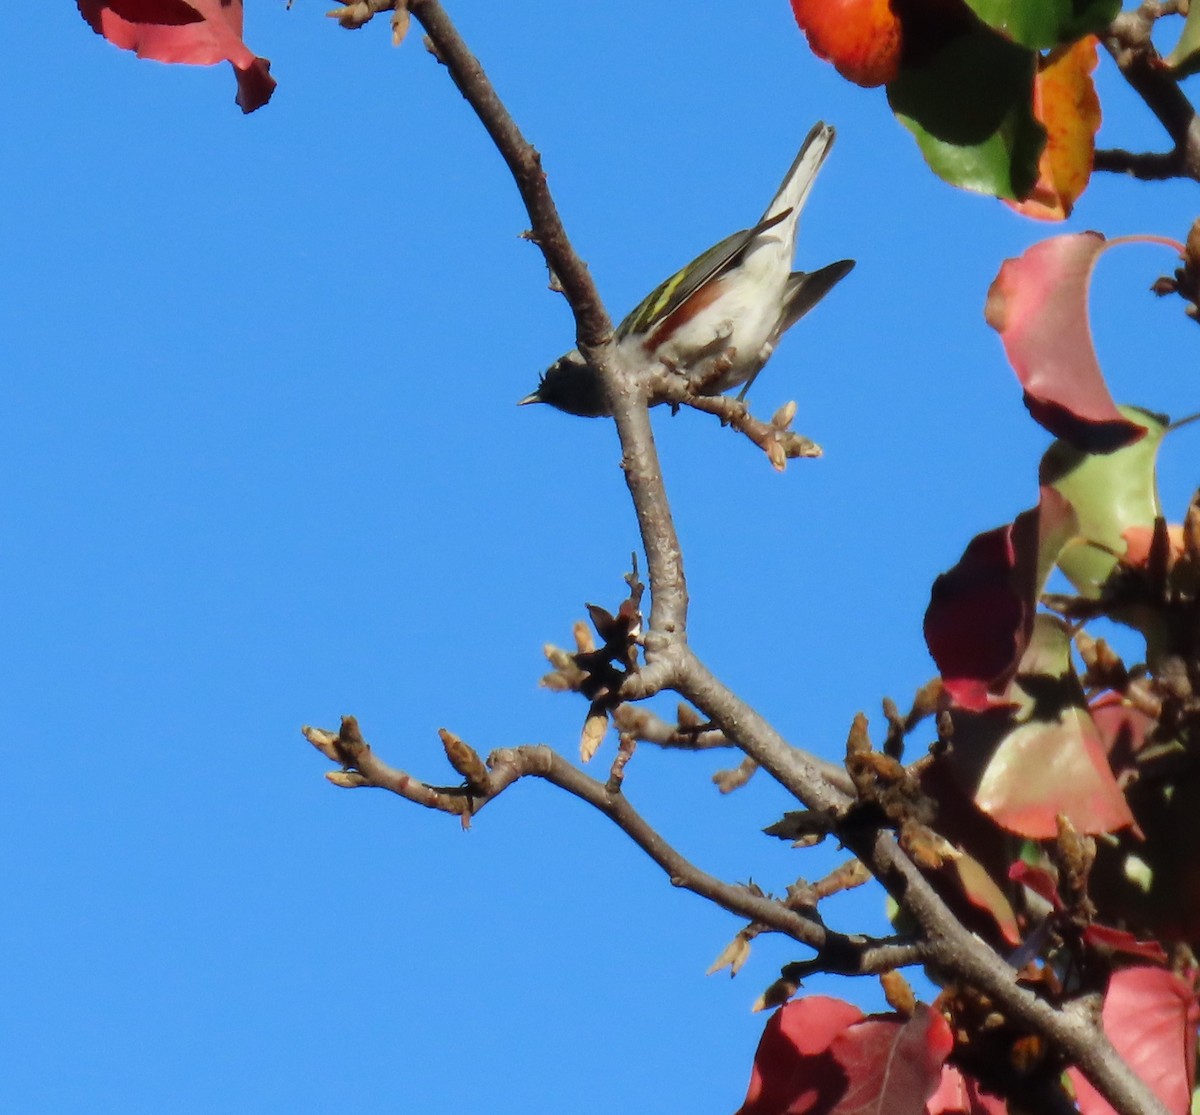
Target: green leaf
(970, 109)
(1110, 493)
(1185, 58)
(1042, 24)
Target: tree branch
(846, 954)
(1129, 43)
(956, 950)
(671, 663)
(525, 164)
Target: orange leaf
(1065, 103)
(860, 37)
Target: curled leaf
(195, 32)
(1038, 305)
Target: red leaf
(1046, 758)
(1150, 1016)
(1123, 728)
(794, 1072)
(862, 38)
(1038, 305)
(980, 612)
(1105, 939)
(1038, 880)
(894, 1065)
(961, 1095)
(196, 32)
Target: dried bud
(925, 702)
(687, 718)
(853, 873)
(925, 847)
(898, 993)
(400, 21)
(1191, 529)
(583, 637)
(557, 657)
(782, 418)
(732, 956)
(778, 993)
(776, 455)
(347, 779)
(594, 728)
(352, 16)
(323, 741)
(736, 777)
(465, 759)
(858, 742)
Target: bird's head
(570, 384)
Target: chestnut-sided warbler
(719, 319)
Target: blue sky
(264, 468)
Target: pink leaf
(894, 1065)
(1150, 1016)
(1038, 305)
(961, 1095)
(794, 1072)
(197, 32)
(1046, 757)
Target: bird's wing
(668, 296)
(806, 289)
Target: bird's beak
(534, 398)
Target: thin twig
(847, 954)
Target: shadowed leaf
(1110, 493)
(981, 612)
(1065, 102)
(894, 1065)
(794, 1072)
(1047, 758)
(1041, 24)
(1038, 305)
(970, 109)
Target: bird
(716, 321)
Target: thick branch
(955, 949)
(1128, 41)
